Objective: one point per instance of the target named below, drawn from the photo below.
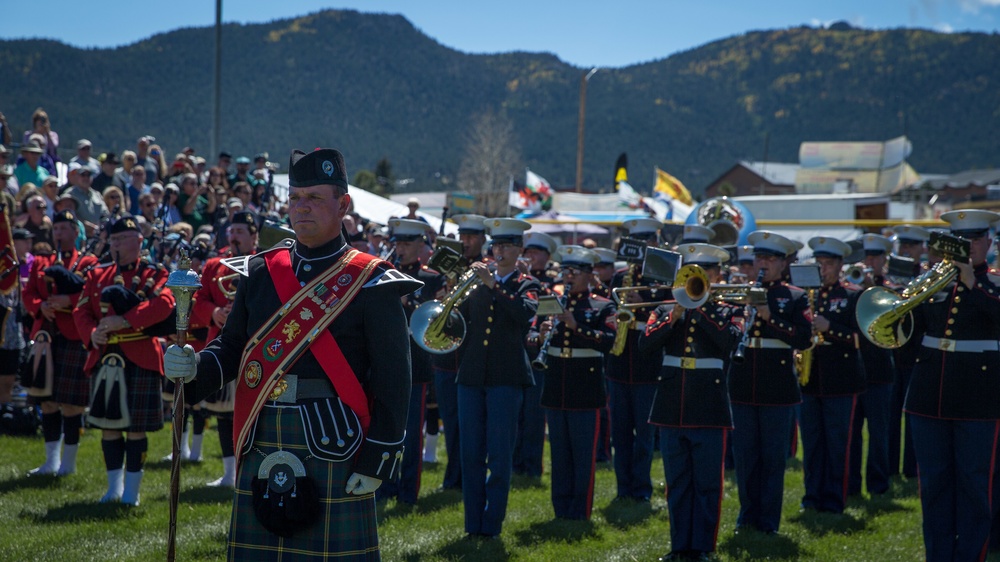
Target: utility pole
(579, 131)
(217, 85)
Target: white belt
(965, 346)
(691, 362)
(574, 352)
(768, 343)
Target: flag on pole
(672, 187)
(536, 195)
(621, 173)
(628, 196)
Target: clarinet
(739, 354)
(541, 363)
(444, 217)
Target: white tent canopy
(370, 206)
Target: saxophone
(626, 318)
(804, 358)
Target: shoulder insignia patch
(239, 264)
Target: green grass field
(45, 518)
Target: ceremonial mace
(182, 283)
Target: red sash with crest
(301, 322)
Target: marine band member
(836, 378)
(631, 380)
(472, 233)
(408, 237)
(574, 383)
(954, 399)
(764, 389)
(691, 407)
(530, 446)
(492, 377)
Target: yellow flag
(665, 183)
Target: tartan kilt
(144, 403)
(70, 385)
(346, 528)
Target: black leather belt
(291, 389)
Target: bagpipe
(121, 299)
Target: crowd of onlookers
(186, 196)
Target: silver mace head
(183, 282)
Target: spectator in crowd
(36, 221)
(221, 225)
(263, 171)
(50, 192)
(8, 182)
(44, 161)
(156, 190)
(115, 199)
(157, 157)
(5, 133)
(225, 160)
(184, 230)
(258, 189)
(195, 203)
(241, 190)
(136, 187)
(7, 179)
(168, 206)
(22, 250)
(40, 125)
(242, 172)
(216, 177)
(200, 167)
(28, 169)
(83, 149)
(145, 159)
(90, 207)
(107, 163)
(147, 207)
(123, 174)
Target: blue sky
(581, 32)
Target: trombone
(692, 290)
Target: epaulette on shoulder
(430, 271)
(241, 264)
(406, 284)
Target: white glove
(359, 484)
(180, 363)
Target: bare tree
(492, 157)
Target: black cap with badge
(323, 166)
(124, 223)
(247, 218)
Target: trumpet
(227, 287)
(739, 354)
(857, 274)
(436, 326)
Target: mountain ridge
(376, 86)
